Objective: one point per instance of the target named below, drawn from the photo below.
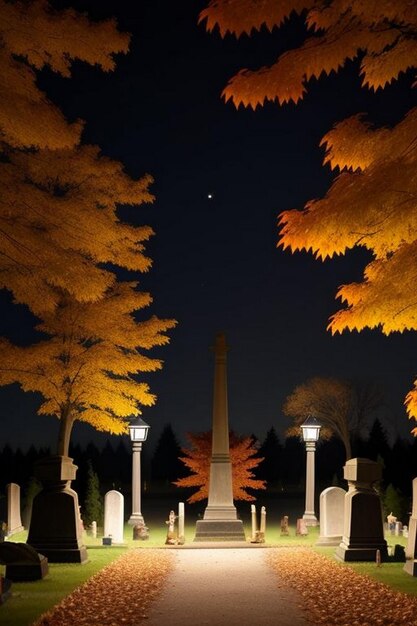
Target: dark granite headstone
(22, 562)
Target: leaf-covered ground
(119, 594)
(337, 596)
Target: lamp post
(310, 430)
(138, 433)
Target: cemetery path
(225, 587)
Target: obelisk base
(219, 530)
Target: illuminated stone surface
(411, 550)
(14, 521)
(332, 512)
(220, 518)
(113, 515)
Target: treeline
(283, 466)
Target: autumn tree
(271, 452)
(372, 201)
(342, 407)
(61, 239)
(93, 501)
(54, 233)
(243, 457)
(86, 366)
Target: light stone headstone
(114, 515)
(301, 528)
(94, 529)
(262, 527)
(253, 520)
(411, 549)
(181, 523)
(14, 521)
(332, 515)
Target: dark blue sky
(216, 265)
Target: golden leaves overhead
(87, 369)
(383, 31)
(33, 35)
(243, 16)
(58, 211)
(61, 238)
(373, 202)
(242, 457)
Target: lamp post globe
(310, 430)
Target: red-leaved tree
(242, 456)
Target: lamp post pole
(136, 517)
(311, 431)
(138, 434)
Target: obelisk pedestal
(220, 521)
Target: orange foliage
(372, 202)
(61, 235)
(242, 457)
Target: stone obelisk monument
(220, 521)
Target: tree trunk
(65, 428)
(348, 447)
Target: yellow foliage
(88, 368)
(59, 220)
(60, 232)
(383, 31)
(33, 35)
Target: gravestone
(262, 526)
(140, 531)
(181, 523)
(55, 524)
(284, 526)
(22, 562)
(332, 515)
(171, 539)
(14, 521)
(114, 516)
(363, 532)
(411, 549)
(302, 528)
(253, 521)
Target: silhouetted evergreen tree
(165, 465)
(271, 451)
(330, 459)
(377, 443)
(93, 503)
(293, 462)
(400, 465)
(396, 503)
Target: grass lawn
(30, 600)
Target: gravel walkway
(225, 587)
(231, 587)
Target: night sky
(216, 265)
